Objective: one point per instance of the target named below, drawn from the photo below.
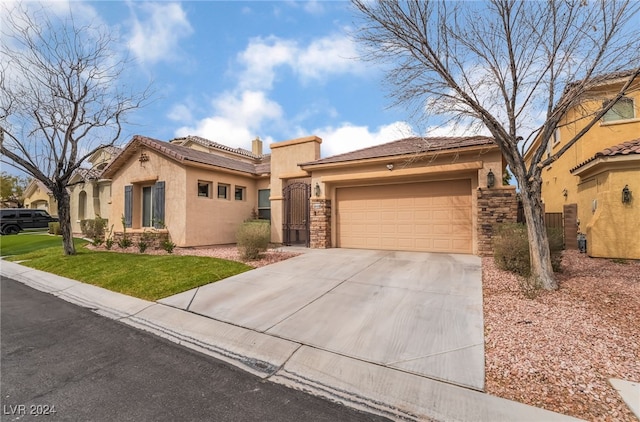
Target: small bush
(54, 228)
(94, 229)
(144, 241)
(511, 249)
(253, 238)
(168, 246)
(124, 242)
(108, 243)
(511, 253)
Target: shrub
(54, 228)
(124, 242)
(108, 243)
(253, 238)
(168, 246)
(511, 253)
(511, 248)
(94, 229)
(143, 243)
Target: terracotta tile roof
(184, 154)
(210, 144)
(406, 146)
(88, 174)
(625, 148)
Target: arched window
(82, 204)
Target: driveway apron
(416, 312)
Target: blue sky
(231, 71)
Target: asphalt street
(63, 362)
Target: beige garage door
(428, 216)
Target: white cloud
(321, 58)
(348, 137)
(156, 36)
(236, 119)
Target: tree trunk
(539, 251)
(64, 213)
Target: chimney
(256, 146)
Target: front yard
(558, 350)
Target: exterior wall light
(390, 166)
(317, 190)
(491, 179)
(626, 195)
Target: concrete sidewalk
(384, 390)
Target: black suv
(15, 220)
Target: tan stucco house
(38, 196)
(90, 193)
(417, 194)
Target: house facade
(417, 194)
(199, 197)
(38, 196)
(589, 178)
(90, 193)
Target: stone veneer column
(320, 223)
(497, 205)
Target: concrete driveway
(416, 312)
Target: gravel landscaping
(558, 350)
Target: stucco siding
(557, 177)
(212, 220)
(610, 225)
(147, 173)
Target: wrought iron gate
(296, 213)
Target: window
(556, 137)
(82, 204)
(239, 193)
(147, 206)
(223, 191)
(204, 189)
(621, 110)
(264, 205)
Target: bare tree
(62, 97)
(513, 67)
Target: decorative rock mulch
(558, 351)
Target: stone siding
(320, 223)
(494, 206)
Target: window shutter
(158, 205)
(128, 205)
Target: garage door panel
(427, 216)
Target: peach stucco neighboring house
(199, 197)
(423, 194)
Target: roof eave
(602, 163)
(398, 157)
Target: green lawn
(28, 242)
(148, 277)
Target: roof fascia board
(484, 149)
(600, 164)
(403, 173)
